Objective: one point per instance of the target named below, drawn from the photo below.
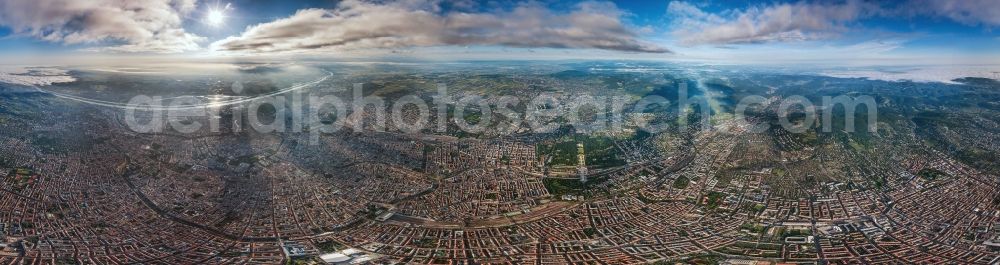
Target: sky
(851, 32)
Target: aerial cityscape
(499, 132)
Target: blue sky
(859, 32)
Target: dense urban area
(79, 186)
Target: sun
(215, 17)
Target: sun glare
(215, 17)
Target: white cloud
(130, 25)
(871, 52)
(38, 76)
(805, 20)
(184, 6)
(776, 23)
(942, 74)
(360, 25)
(969, 12)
